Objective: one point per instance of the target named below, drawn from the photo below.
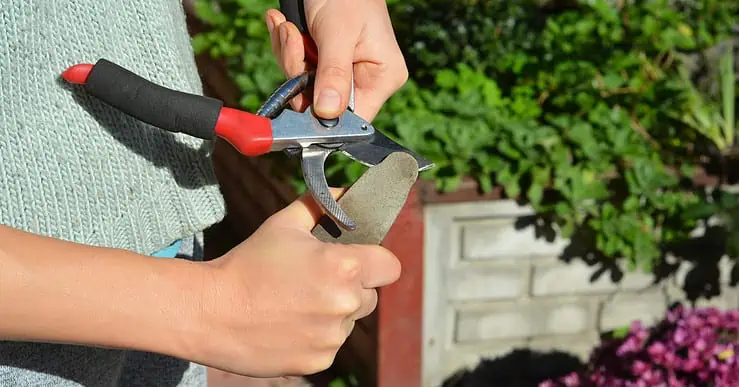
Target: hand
(279, 304)
(352, 36)
(283, 302)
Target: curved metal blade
(313, 161)
(372, 152)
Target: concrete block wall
(490, 288)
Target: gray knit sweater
(75, 169)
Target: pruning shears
(273, 127)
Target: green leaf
(688, 170)
(337, 383)
(622, 332)
(446, 79)
(535, 193)
(612, 81)
(727, 78)
(486, 183)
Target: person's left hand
(351, 36)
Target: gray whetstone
(373, 201)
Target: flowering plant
(689, 347)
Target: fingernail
(270, 23)
(328, 101)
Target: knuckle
(372, 302)
(342, 261)
(330, 336)
(335, 340)
(349, 267)
(346, 304)
(401, 74)
(391, 77)
(400, 81)
(369, 305)
(317, 363)
(334, 71)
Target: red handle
(249, 133)
(311, 50)
(172, 110)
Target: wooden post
(400, 305)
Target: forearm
(57, 291)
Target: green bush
(586, 110)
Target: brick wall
(491, 288)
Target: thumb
(304, 212)
(334, 69)
(380, 267)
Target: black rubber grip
(294, 11)
(167, 109)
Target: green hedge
(587, 110)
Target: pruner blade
(377, 148)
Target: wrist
(176, 320)
(57, 291)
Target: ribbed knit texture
(74, 168)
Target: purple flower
(671, 360)
(694, 322)
(673, 381)
(700, 345)
(657, 350)
(639, 367)
(691, 365)
(571, 380)
(714, 320)
(688, 347)
(680, 336)
(631, 345)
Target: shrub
(586, 110)
(689, 347)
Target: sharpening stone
(373, 201)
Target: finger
(368, 101)
(335, 66)
(304, 212)
(380, 68)
(347, 326)
(293, 52)
(273, 19)
(375, 83)
(292, 58)
(380, 267)
(288, 51)
(369, 303)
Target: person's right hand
(283, 303)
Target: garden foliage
(587, 110)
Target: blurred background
(580, 225)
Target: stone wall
(491, 287)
